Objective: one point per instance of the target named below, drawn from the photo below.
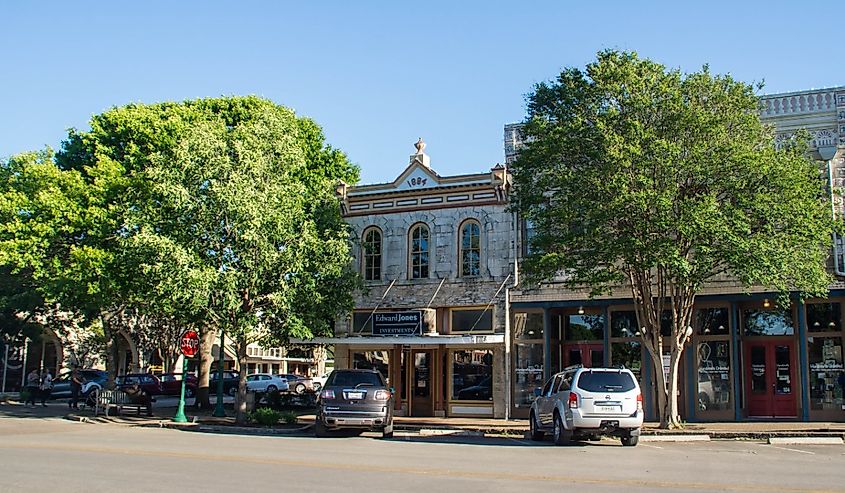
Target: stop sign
(189, 343)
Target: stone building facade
(437, 257)
(747, 358)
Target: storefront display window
(775, 322)
(373, 360)
(623, 324)
(362, 323)
(528, 372)
(629, 355)
(714, 383)
(527, 326)
(472, 320)
(472, 375)
(827, 375)
(712, 322)
(824, 317)
(584, 328)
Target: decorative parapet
(813, 101)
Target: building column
(692, 380)
(735, 361)
(803, 366)
(547, 344)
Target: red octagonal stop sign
(189, 343)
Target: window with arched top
(371, 248)
(470, 249)
(418, 251)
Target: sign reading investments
(397, 324)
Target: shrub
(266, 416)
(289, 417)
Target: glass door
(422, 403)
(770, 379)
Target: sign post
(188, 343)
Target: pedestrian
(33, 383)
(76, 382)
(46, 386)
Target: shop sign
(397, 324)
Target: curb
(806, 441)
(675, 438)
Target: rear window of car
(603, 381)
(348, 378)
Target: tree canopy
(639, 176)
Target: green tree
(640, 176)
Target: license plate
(609, 409)
(354, 395)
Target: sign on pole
(189, 343)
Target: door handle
(774, 388)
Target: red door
(770, 379)
(585, 354)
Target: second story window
(419, 251)
(470, 251)
(372, 254)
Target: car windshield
(355, 379)
(603, 381)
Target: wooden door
(771, 379)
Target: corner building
(437, 255)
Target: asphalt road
(49, 454)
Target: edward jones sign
(397, 324)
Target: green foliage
(632, 167)
(289, 417)
(266, 416)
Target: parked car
(585, 403)
(266, 382)
(94, 379)
(149, 383)
(319, 382)
(230, 383)
(355, 399)
(298, 383)
(171, 384)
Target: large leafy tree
(640, 178)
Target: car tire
(189, 392)
(233, 391)
(630, 440)
(533, 430)
(320, 430)
(562, 436)
(271, 388)
(299, 388)
(317, 386)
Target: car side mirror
(538, 392)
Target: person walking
(76, 382)
(46, 386)
(33, 383)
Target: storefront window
(623, 324)
(528, 372)
(826, 373)
(824, 317)
(474, 320)
(776, 322)
(472, 375)
(362, 323)
(629, 355)
(714, 383)
(712, 322)
(373, 360)
(527, 326)
(584, 328)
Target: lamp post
(218, 409)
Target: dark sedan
(147, 382)
(356, 400)
(171, 384)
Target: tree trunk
(208, 338)
(241, 416)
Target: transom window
(470, 251)
(419, 251)
(372, 254)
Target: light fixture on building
(580, 310)
(707, 330)
(766, 303)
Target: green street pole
(180, 412)
(218, 409)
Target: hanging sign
(397, 323)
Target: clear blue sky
(378, 75)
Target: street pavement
(39, 453)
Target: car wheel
(534, 433)
(189, 392)
(271, 388)
(562, 435)
(317, 386)
(630, 440)
(299, 388)
(233, 391)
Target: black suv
(355, 400)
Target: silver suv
(585, 403)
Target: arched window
(418, 247)
(372, 254)
(470, 249)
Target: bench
(117, 399)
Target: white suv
(585, 403)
